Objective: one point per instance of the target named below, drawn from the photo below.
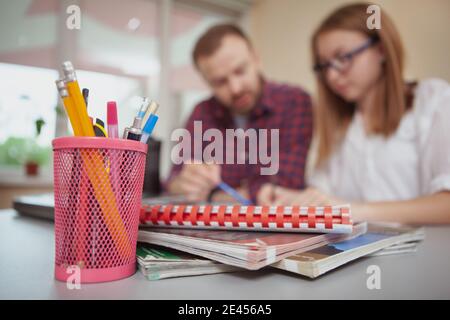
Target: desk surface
(26, 272)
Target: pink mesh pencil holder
(98, 194)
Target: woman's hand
(307, 197)
(279, 196)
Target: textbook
(328, 219)
(245, 249)
(157, 263)
(380, 239)
(401, 248)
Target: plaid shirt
(280, 107)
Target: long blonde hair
(332, 113)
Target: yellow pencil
(71, 111)
(74, 91)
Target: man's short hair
(211, 40)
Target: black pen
(86, 96)
(135, 132)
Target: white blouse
(413, 161)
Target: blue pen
(151, 122)
(236, 195)
(148, 128)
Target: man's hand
(195, 181)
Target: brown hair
(332, 113)
(211, 40)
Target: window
(186, 87)
(27, 94)
(117, 55)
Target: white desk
(26, 272)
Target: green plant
(39, 123)
(35, 153)
(13, 151)
(17, 151)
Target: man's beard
(253, 98)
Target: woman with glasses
(382, 144)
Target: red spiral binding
(249, 216)
(295, 216)
(221, 215)
(166, 215)
(328, 216)
(207, 215)
(154, 214)
(143, 214)
(235, 215)
(265, 216)
(179, 215)
(193, 215)
(280, 217)
(311, 217)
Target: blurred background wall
(281, 30)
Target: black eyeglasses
(343, 62)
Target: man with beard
(243, 98)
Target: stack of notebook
(159, 263)
(245, 249)
(380, 239)
(305, 240)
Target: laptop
(39, 206)
(42, 205)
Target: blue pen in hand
(236, 195)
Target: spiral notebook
(245, 249)
(328, 219)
